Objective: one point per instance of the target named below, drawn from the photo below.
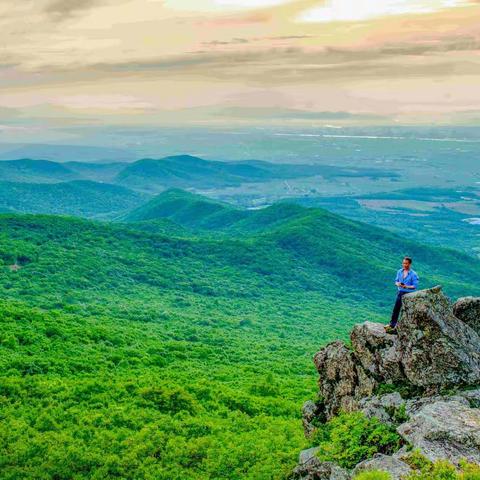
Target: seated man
(406, 282)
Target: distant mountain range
(109, 189)
(155, 175)
(58, 153)
(188, 171)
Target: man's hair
(408, 259)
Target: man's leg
(396, 310)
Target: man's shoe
(391, 330)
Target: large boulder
(385, 463)
(377, 352)
(310, 467)
(433, 349)
(437, 349)
(342, 381)
(444, 429)
(467, 309)
(386, 407)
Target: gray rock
(472, 396)
(342, 380)
(311, 468)
(415, 404)
(394, 466)
(467, 309)
(307, 455)
(310, 412)
(377, 351)
(381, 407)
(437, 349)
(402, 454)
(338, 378)
(444, 430)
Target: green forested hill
(34, 171)
(126, 353)
(344, 249)
(82, 198)
(155, 175)
(187, 209)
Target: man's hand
(398, 284)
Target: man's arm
(414, 283)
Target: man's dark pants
(396, 309)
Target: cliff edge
(431, 371)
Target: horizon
(146, 64)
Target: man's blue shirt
(411, 279)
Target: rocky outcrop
(437, 349)
(312, 413)
(377, 352)
(342, 381)
(444, 430)
(432, 351)
(311, 468)
(467, 309)
(385, 463)
(473, 397)
(386, 407)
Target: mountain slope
(143, 355)
(187, 209)
(98, 172)
(187, 171)
(34, 171)
(344, 248)
(80, 197)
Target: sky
(248, 62)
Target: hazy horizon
(299, 63)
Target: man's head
(406, 263)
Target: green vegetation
(442, 470)
(438, 216)
(186, 171)
(423, 469)
(34, 171)
(350, 438)
(154, 350)
(83, 198)
(188, 209)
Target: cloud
(137, 57)
(220, 5)
(61, 9)
(234, 41)
(297, 65)
(348, 11)
(102, 102)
